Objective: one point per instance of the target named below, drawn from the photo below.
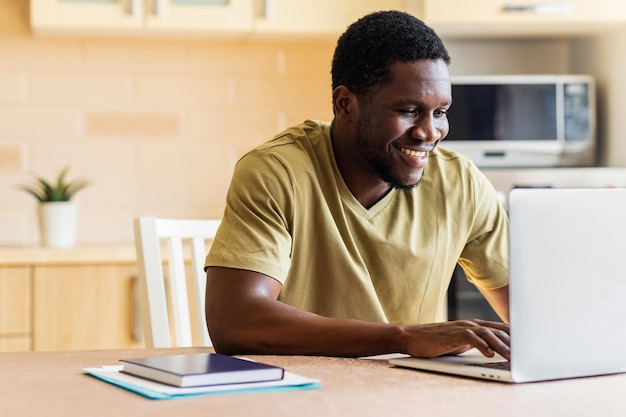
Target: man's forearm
(498, 299)
(272, 327)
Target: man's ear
(345, 104)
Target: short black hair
(370, 45)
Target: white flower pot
(58, 222)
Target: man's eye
(408, 111)
(441, 113)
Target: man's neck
(362, 182)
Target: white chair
(155, 311)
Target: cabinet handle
(547, 8)
(135, 316)
(133, 7)
(266, 13)
(158, 8)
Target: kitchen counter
(96, 254)
(593, 177)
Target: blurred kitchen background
(156, 119)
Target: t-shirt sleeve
(255, 233)
(485, 257)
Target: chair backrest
(152, 237)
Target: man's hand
(454, 337)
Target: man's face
(400, 123)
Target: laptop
(567, 289)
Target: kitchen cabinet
(84, 307)
(201, 18)
(319, 17)
(143, 17)
(68, 299)
(15, 308)
(72, 299)
(526, 17)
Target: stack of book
(173, 376)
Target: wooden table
(51, 384)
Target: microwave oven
(503, 121)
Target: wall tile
(208, 195)
(132, 125)
(11, 156)
(249, 126)
(13, 89)
(313, 59)
(181, 91)
(123, 192)
(322, 112)
(123, 57)
(233, 59)
(184, 160)
(187, 212)
(162, 192)
(104, 226)
(85, 158)
(11, 196)
(17, 227)
(282, 93)
(38, 122)
(90, 90)
(39, 55)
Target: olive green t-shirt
(289, 215)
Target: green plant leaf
(60, 190)
(35, 193)
(74, 187)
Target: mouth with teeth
(411, 152)
(417, 159)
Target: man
(341, 239)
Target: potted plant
(58, 215)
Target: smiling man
(340, 239)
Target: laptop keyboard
(503, 365)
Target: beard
(379, 160)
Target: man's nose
(426, 130)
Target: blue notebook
(200, 369)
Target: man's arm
(498, 299)
(244, 316)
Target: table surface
(51, 384)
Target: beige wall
(157, 126)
